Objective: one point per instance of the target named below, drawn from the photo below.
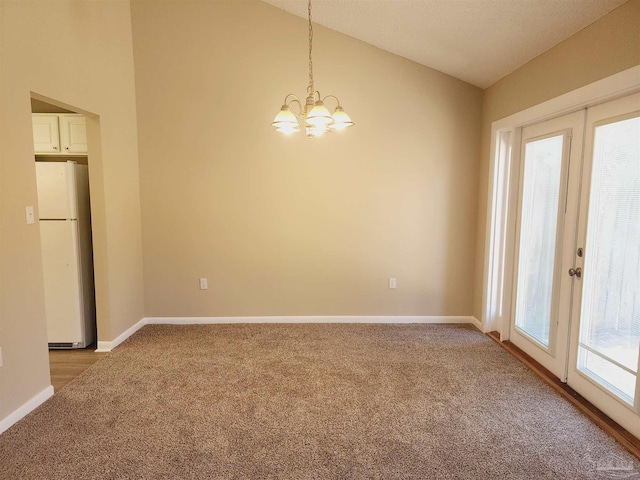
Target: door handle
(577, 272)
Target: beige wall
(79, 54)
(608, 46)
(287, 225)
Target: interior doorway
(64, 218)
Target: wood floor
(65, 365)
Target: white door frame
(500, 219)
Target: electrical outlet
(392, 283)
(203, 284)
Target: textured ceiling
(478, 41)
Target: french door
(549, 176)
(576, 296)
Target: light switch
(203, 284)
(392, 283)
(30, 216)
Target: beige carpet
(308, 401)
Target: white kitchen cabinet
(73, 134)
(46, 134)
(59, 134)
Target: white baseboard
(26, 408)
(108, 346)
(311, 319)
(476, 323)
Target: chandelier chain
(310, 87)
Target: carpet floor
(309, 402)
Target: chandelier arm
(331, 96)
(295, 100)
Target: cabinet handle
(66, 148)
(55, 148)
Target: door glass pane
(538, 226)
(610, 316)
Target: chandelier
(317, 118)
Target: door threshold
(622, 436)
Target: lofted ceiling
(478, 41)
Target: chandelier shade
(315, 117)
(319, 115)
(285, 119)
(340, 119)
(288, 130)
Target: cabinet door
(73, 134)
(46, 138)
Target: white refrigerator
(67, 259)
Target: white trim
(617, 85)
(108, 346)
(476, 323)
(499, 185)
(310, 319)
(26, 408)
